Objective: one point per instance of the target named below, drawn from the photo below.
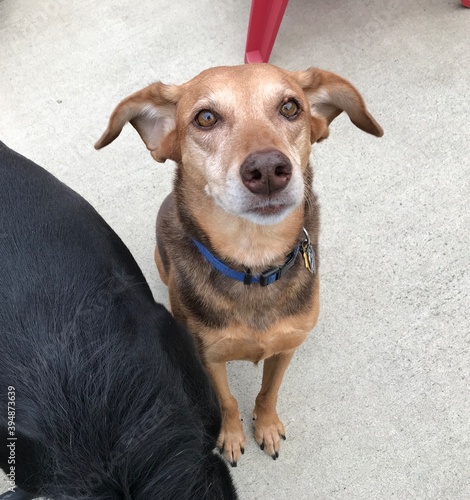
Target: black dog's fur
(111, 400)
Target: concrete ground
(376, 403)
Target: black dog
(102, 395)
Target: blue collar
(265, 278)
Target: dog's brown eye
(290, 109)
(205, 118)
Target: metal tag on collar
(308, 253)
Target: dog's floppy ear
(329, 95)
(151, 111)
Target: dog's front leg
(231, 441)
(268, 427)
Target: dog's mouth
(269, 210)
(269, 213)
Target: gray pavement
(376, 403)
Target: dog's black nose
(266, 172)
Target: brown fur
(230, 320)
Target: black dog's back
(110, 399)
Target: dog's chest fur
(254, 334)
(234, 321)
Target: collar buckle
(270, 276)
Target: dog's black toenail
(233, 464)
(277, 454)
(261, 446)
(274, 456)
(283, 437)
(242, 450)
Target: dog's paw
(268, 431)
(231, 440)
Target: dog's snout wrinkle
(266, 172)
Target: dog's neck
(241, 241)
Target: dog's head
(243, 134)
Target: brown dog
(237, 239)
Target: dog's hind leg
(231, 440)
(160, 266)
(167, 210)
(268, 427)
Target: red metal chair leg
(265, 19)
